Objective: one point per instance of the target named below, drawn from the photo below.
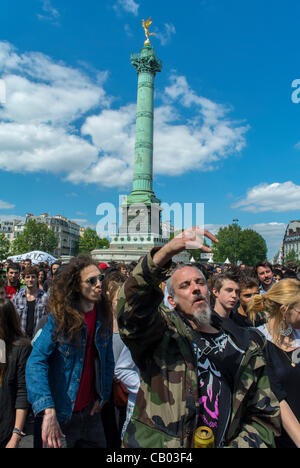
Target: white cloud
(49, 12)
(39, 148)
(42, 91)
(195, 144)
(276, 197)
(84, 223)
(128, 30)
(270, 230)
(130, 6)
(272, 233)
(79, 221)
(46, 98)
(165, 36)
(81, 213)
(6, 206)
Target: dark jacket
(13, 394)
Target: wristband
(17, 431)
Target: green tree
(240, 244)
(252, 247)
(36, 236)
(4, 247)
(291, 257)
(91, 241)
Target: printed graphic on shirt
(210, 383)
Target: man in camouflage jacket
(167, 405)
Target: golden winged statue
(146, 26)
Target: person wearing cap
(102, 267)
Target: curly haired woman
(70, 371)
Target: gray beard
(203, 317)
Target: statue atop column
(146, 26)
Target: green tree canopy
(239, 244)
(4, 247)
(36, 236)
(291, 257)
(91, 241)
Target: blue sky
(226, 129)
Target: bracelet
(17, 431)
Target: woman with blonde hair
(282, 330)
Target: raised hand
(191, 238)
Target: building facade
(291, 240)
(66, 231)
(11, 228)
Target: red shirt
(86, 393)
(10, 292)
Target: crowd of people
(141, 355)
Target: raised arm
(140, 310)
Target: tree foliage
(291, 257)
(4, 247)
(36, 236)
(91, 241)
(239, 244)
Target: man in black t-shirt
(30, 302)
(226, 291)
(219, 350)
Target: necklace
(293, 364)
(294, 356)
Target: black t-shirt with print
(218, 360)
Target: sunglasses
(93, 281)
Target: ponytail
(257, 305)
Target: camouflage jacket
(165, 414)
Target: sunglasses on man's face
(93, 281)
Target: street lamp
(235, 221)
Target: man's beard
(203, 316)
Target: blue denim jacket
(54, 370)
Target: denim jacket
(54, 369)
